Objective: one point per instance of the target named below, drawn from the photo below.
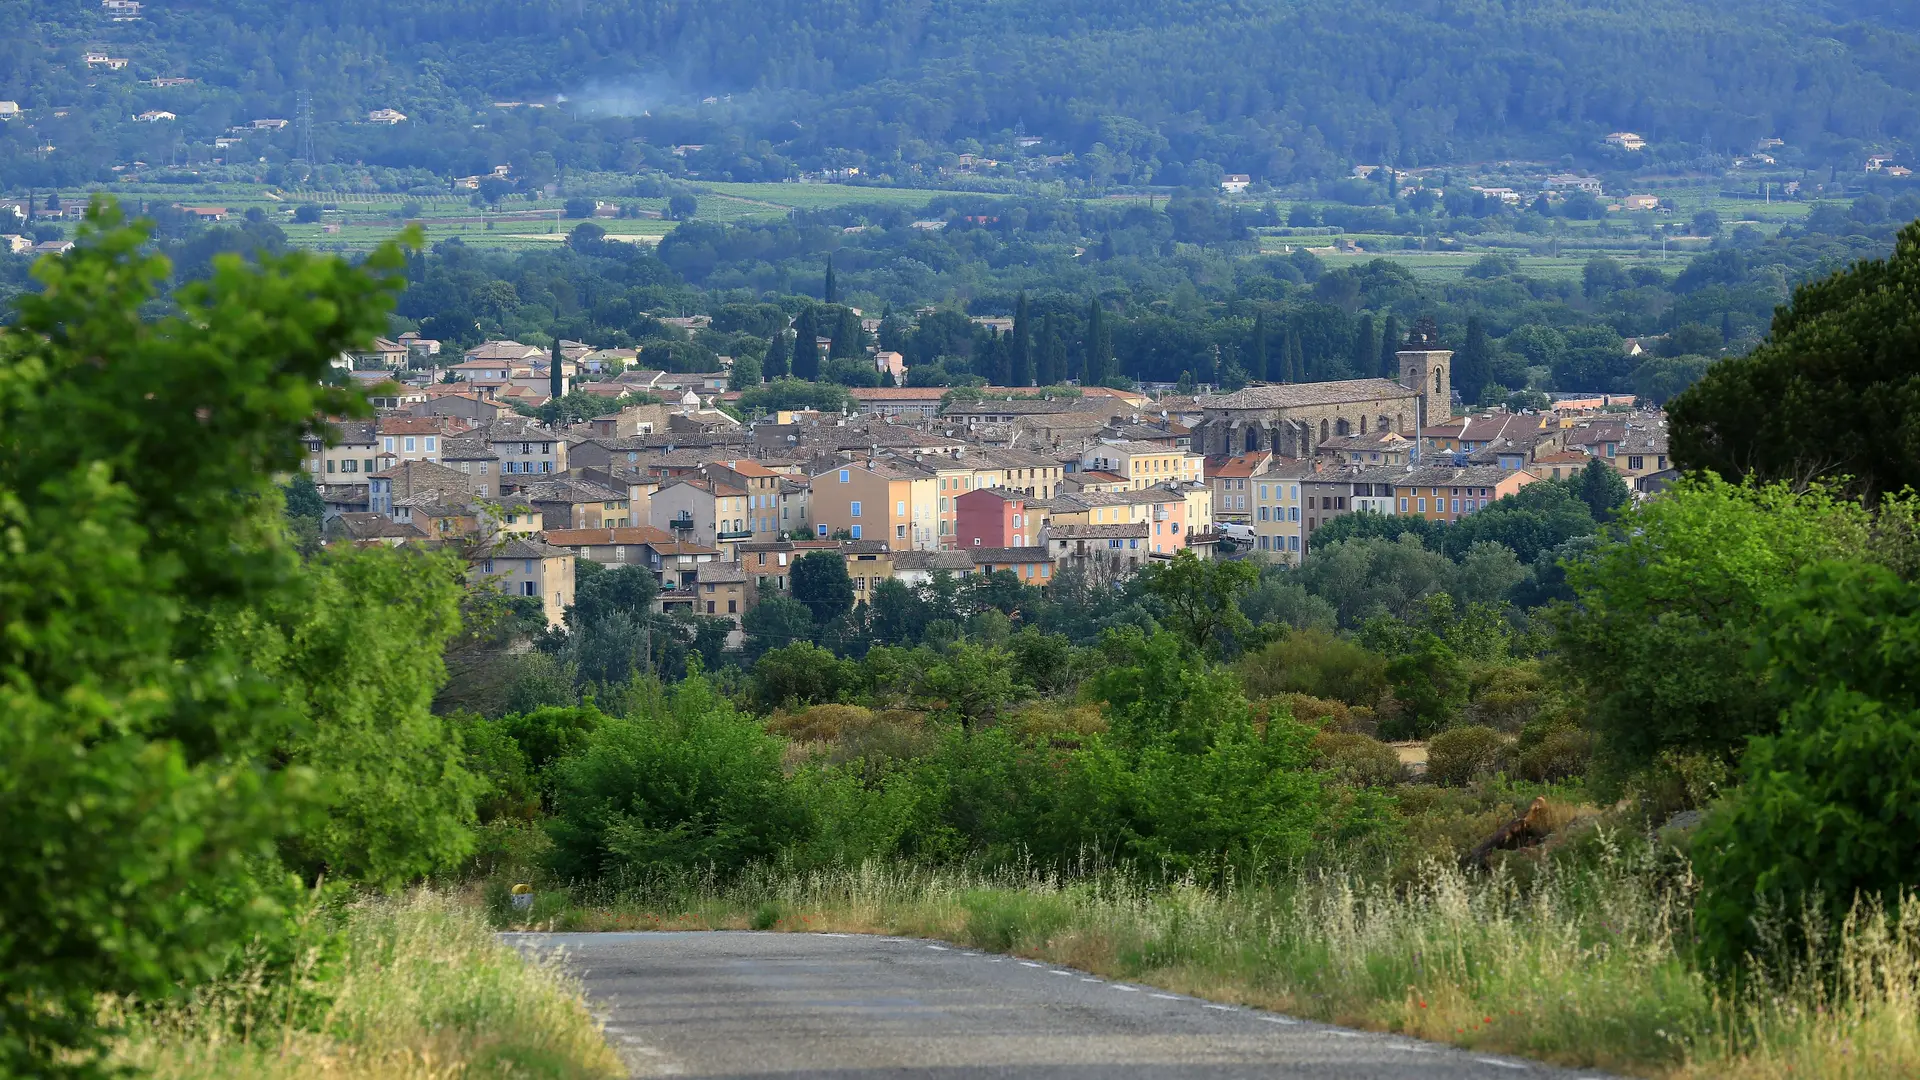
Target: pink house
(994, 518)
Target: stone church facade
(1293, 419)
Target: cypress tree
(1257, 356)
(1052, 361)
(1296, 358)
(1390, 348)
(1099, 347)
(806, 347)
(847, 337)
(1022, 344)
(1364, 347)
(1726, 328)
(1473, 367)
(775, 364)
(832, 292)
(556, 382)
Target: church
(1293, 419)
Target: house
(154, 116)
(1636, 203)
(763, 488)
(1231, 478)
(770, 561)
(526, 567)
(701, 510)
(882, 498)
(121, 10)
(102, 60)
(419, 348)
(525, 447)
(362, 529)
(389, 355)
(1104, 553)
(869, 563)
(1626, 140)
(346, 450)
(1032, 565)
(1144, 464)
(1572, 182)
(567, 503)
(1373, 448)
(1874, 163)
(626, 545)
(203, 213)
(412, 479)
(892, 367)
(994, 518)
(1443, 493)
(1164, 510)
(1276, 519)
(9, 110)
(267, 125)
(16, 245)
(1235, 183)
(412, 438)
(386, 116)
(166, 81)
(916, 568)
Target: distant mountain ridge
(1281, 89)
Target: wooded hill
(1280, 90)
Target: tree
(136, 482)
(1052, 367)
(1200, 597)
(681, 207)
(1831, 393)
(778, 355)
(821, 582)
(1473, 367)
(1364, 347)
(1257, 357)
(1099, 355)
(1828, 807)
(806, 346)
(1661, 635)
(1296, 356)
(776, 622)
(306, 214)
(745, 374)
(579, 207)
(1390, 345)
(1603, 490)
(556, 367)
(1022, 344)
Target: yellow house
(525, 567)
(1276, 513)
(1144, 464)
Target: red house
(994, 518)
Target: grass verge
(415, 988)
(1582, 967)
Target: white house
(386, 116)
(1235, 183)
(1626, 140)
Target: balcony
(744, 534)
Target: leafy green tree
(1831, 393)
(1201, 598)
(600, 592)
(800, 674)
(1430, 684)
(777, 621)
(820, 581)
(136, 486)
(745, 374)
(1829, 805)
(1661, 636)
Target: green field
(778, 198)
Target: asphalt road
(864, 1008)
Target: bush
(1315, 662)
(1358, 759)
(1830, 805)
(696, 786)
(578, 207)
(1550, 750)
(1507, 697)
(1458, 756)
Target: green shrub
(1554, 749)
(1318, 663)
(695, 786)
(1430, 686)
(1458, 756)
(1508, 696)
(1830, 808)
(1358, 759)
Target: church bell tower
(1427, 369)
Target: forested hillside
(1138, 90)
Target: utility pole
(304, 117)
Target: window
(856, 532)
(900, 509)
(528, 566)
(330, 466)
(409, 443)
(1456, 506)
(710, 607)
(1403, 506)
(1636, 462)
(488, 568)
(1263, 491)
(733, 607)
(845, 476)
(1423, 505)
(1293, 513)
(433, 444)
(823, 532)
(1293, 543)
(856, 508)
(528, 588)
(1263, 513)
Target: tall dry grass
(1583, 966)
(421, 988)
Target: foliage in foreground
(413, 988)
